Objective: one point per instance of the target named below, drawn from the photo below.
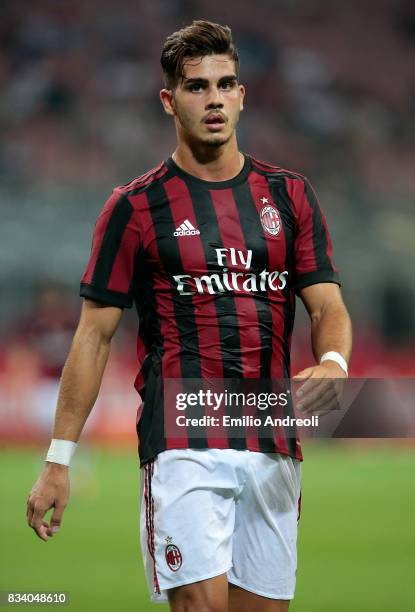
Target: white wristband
(335, 356)
(61, 451)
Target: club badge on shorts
(270, 218)
(173, 555)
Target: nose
(214, 99)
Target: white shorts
(213, 511)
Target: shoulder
(142, 182)
(296, 186)
(122, 196)
(277, 171)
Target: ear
(242, 97)
(166, 97)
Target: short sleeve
(313, 246)
(116, 242)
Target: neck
(210, 163)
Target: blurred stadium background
(331, 94)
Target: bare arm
(84, 368)
(79, 387)
(331, 330)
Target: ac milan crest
(270, 220)
(173, 555)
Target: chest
(198, 230)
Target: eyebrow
(200, 81)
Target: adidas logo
(186, 229)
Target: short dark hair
(199, 39)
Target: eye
(195, 87)
(228, 85)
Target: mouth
(215, 121)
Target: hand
(322, 390)
(50, 491)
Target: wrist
(51, 465)
(60, 452)
(337, 358)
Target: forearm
(331, 330)
(80, 382)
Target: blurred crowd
(331, 89)
(330, 93)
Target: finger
(319, 395)
(309, 386)
(327, 407)
(339, 388)
(56, 518)
(327, 402)
(312, 401)
(310, 393)
(38, 514)
(304, 374)
(41, 531)
(29, 513)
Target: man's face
(206, 103)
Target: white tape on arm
(335, 356)
(61, 451)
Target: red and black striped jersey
(213, 269)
